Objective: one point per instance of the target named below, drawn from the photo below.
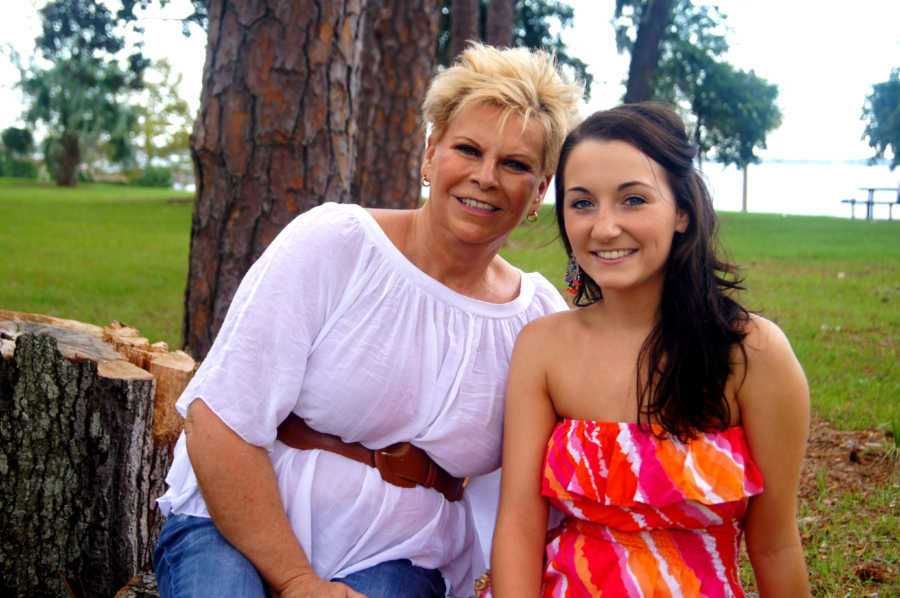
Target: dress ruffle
(624, 464)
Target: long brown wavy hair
(685, 361)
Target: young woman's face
(620, 214)
(484, 179)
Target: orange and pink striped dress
(644, 516)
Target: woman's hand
(312, 586)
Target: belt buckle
(398, 465)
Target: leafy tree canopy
(693, 33)
(163, 123)
(735, 111)
(17, 142)
(80, 96)
(533, 27)
(731, 110)
(881, 112)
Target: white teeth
(479, 205)
(614, 255)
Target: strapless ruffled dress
(645, 516)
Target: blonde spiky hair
(518, 81)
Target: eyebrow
(634, 184)
(625, 185)
(577, 189)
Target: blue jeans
(193, 560)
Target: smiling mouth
(614, 254)
(478, 205)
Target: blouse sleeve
(252, 376)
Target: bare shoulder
(773, 372)
(551, 325)
(765, 340)
(545, 336)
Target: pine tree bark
(80, 462)
(400, 36)
(275, 136)
(464, 17)
(499, 23)
(645, 54)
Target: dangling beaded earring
(573, 276)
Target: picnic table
(870, 202)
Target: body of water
(806, 188)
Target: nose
(606, 225)
(485, 175)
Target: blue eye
(634, 200)
(580, 204)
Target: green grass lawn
(99, 253)
(96, 253)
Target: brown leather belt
(400, 464)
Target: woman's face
(620, 214)
(485, 179)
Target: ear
(542, 188)
(430, 146)
(681, 221)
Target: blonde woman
(358, 377)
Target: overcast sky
(824, 55)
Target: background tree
(499, 23)
(881, 112)
(465, 19)
(395, 75)
(80, 97)
(652, 18)
(660, 36)
(17, 145)
(163, 124)
(735, 112)
(18, 142)
(536, 24)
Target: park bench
(870, 202)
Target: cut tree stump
(87, 429)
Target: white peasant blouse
(334, 324)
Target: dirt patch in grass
(848, 460)
(850, 487)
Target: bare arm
(239, 486)
(520, 534)
(774, 403)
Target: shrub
(23, 169)
(153, 176)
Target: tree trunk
(645, 53)
(400, 38)
(499, 26)
(81, 460)
(67, 175)
(275, 136)
(744, 194)
(463, 25)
